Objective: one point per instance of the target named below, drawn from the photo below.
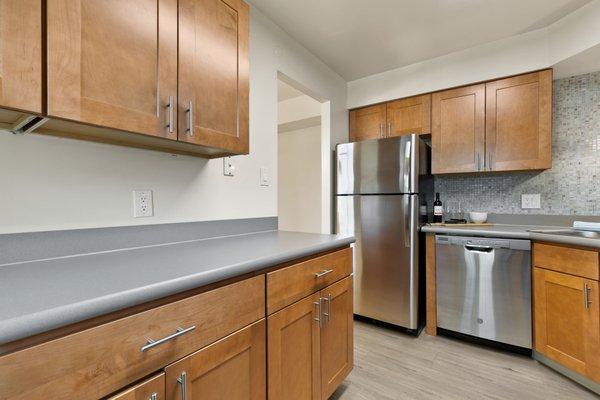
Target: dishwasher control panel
(490, 243)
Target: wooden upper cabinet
(410, 115)
(293, 351)
(367, 123)
(458, 130)
(234, 368)
(519, 122)
(113, 63)
(21, 55)
(337, 343)
(213, 74)
(566, 323)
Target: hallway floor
(392, 365)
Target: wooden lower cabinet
(293, 351)
(337, 339)
(208, 345)
(566, 318)
(310, 345)
(233, 368)
(150, 389)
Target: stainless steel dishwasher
(483, 288)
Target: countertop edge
(497, 232)
(47, 320)
(476, 232)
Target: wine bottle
(438, 209)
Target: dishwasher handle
(485, 249)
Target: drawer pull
(182, 380)
(170, 120)
(327, 314)
(319, 317)
(190, 117)
(180, 331)
(323, 273)
(154, 396)
(586, 296)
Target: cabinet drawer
(98, 361)
(151, 389)
(569, 260)
(292, 283)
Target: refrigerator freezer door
(379, 166)
(385, 255)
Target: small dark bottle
(438, 209)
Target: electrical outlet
(264, 176)
(228, 166)
(143, 206)
(531, 201)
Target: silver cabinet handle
(190, 114)
(323, 273)
(182, 380)
(389, 129)
(319, 317)
(154, 396)
(180, 331)
(328, 314)
(381, 130)
(490, 160)
(478, 161)
(586, 296)
(170, 123)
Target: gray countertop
(513, 232)
(38, 296)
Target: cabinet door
(367, 123)
(150, 389)
(293, 351)
(458, 130)
(113, 63)
(519, 122)
(232, 368)
(337, 348)
(566, 320)
(21, 55)
(213, 74)
(411, 115)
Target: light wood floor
(391, 365)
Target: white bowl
(478, 217)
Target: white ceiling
(357, 38)
(286, 92)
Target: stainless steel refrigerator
(381, 188)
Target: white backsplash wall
(571, 187)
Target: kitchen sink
(571, 232)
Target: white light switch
(143, 206)
(264, 176)
(529, 201)
(228, 166)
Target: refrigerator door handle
(407, 167)
(407, 220)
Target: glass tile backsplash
(571, 187)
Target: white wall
(49, 183)
(299, 182)
(298, 108)
(538, 49)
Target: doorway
(303, 159)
